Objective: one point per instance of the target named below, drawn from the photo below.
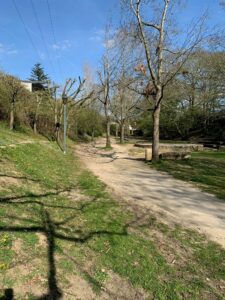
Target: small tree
(38, 74)
(39, 105)
(14, 90)
(76, 95)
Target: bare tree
(104, 94)
(124, 103)
(40, 100)
(164, 59)
(77, 95)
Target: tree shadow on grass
(53, 231)
(19, 177)
(8, 295)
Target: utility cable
(26, 29)
(54, 36)
(42, 35)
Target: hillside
(62, 235)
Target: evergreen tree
(38, 74)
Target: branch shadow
(19, 177)
(8, 295)
(53, 231)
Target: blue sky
(78, 27)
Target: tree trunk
(108, 125)
(35, 126)
(56, 123)
(122, 128)
(76, 129)
(93, 135)
(108, 140)
(117, 129)
(155, 141)
(12, 115)
(36, 115)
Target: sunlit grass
(206, 169)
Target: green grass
(205, 169)
(13, 137)
(45, 164)
(84, 232)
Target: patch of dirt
(7, 181)
(75, 195)
(17, 246)
(31, 287)
(42, 240)
(132, 180)
(119, 288)
(78, 288)
(115, 287)
(27, 278)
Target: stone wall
(179, 150)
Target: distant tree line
(42, 109)
(195, 101)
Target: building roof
(34, 81)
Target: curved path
(175, 200)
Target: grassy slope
(86, 233)
(206, 169)
(23, 135)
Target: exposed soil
(170, 199)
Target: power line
(54, 36)
(42, 35)
(26, 28)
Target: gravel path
(174, 200)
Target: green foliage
(32, 160)
(88, 121)
(38, 73)
(193, 104)
(145, 124)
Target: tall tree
(38, 73)
(106, 78)
(164, 57)
(125, 100)
(104, 95)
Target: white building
(33, 86)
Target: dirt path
(171, 199)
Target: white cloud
(41, 55)
(63, 45)
(98, 35)
(109, 44)
(106, 39)
(8, 49)
(12, 52)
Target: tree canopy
(38, 73)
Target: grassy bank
(205, 169)
(62, 233)
(22, 135)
